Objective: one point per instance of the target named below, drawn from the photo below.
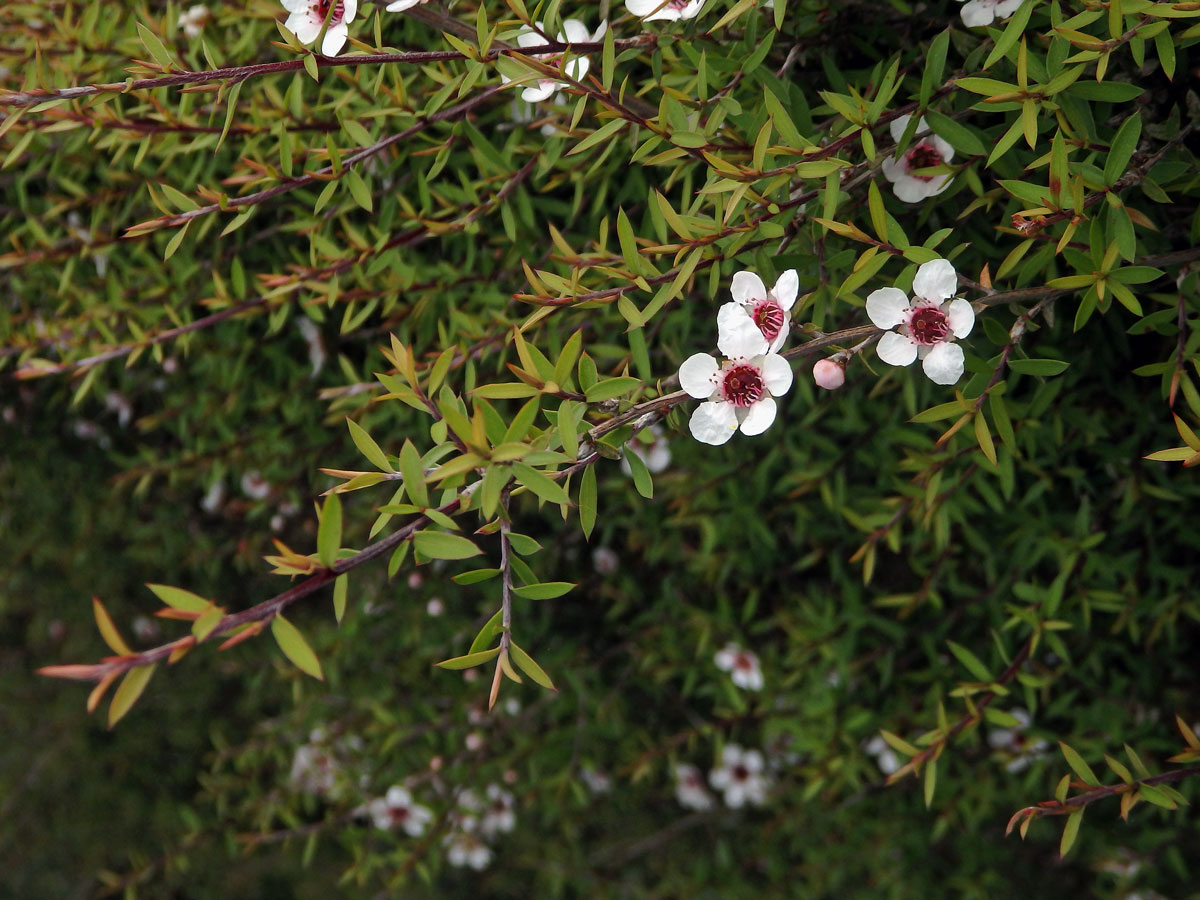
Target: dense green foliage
(498, 296)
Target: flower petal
(893, 171)
(544, 90)
(944, 364)
(401, 5)
(781, 338)
(943, 147)
(935, 280)
(714, 422)
(887, 307)
(758, 417)
(776, 372)
(335, 40)
(574, 32)
(737, 334)
(349, 10)
(896, 350)
(898, 125)
(977, 13)
(961, 316)
(698, 375)
(909, 189)
(786, 287)
(747, 287)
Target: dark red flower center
(740, 773)
(339, 10)
(743, 661)
(677, 4)
(923, 156)
(769, 316)
(742, 385)
(929, 325)
(399, 814)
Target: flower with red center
(397, 810)
(742, 666)
(739, 393)
(308, 18)
(740, 776)
(756, 320)
(573, 32)
(498, 814)
(927, 151)
(926, 326)
(689, 788)
(982, 12)
(671, 10)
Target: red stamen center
(399, 814)
(339, 10)
(923, 156)
(740, 773)
(742, 661)
(929, 325)
(742, 385)
(769, 316)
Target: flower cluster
(740, 392)
(573, 32)
(319, 766)
(982, 12)
(926, 151)
(740, 776)
(476, 821)
(396, 809)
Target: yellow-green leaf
(128, 691)
(295, 647)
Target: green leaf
(1012, 33)
(587, 501)
(1078, 766)
(523, 544)
(539, 483)
(490, 629)
(547, 590)
(295, 647)
(526, 664)
(439, 545)
(178, 598)
(367, 446)
(1121, 149)
(128, 692)
(1038, 366)
(612, 387)
(930, 782)
(475, 576)
(1070, 833)
(641, 475)
(329, 532)
(414, 475)
(203, 626)
(970, 661)
(471, 659)
(340, 585)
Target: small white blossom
(927, 326)
(192, 21)
(397, 810)
(605, 561)
(213, 497)
(740, 393)
(689, 788)
(435, 607)
(926, 151)
(474, 741)
(671, 10)
(255, 486)
(1020, 749)
(464, 849)
(308, 18)
(829, 374)
(499, 814)
(885, 756)
(314, 768)
(596, 781)
(742, 666)
(982, 12)
(740, 776)
(573, 32)
(756, 320)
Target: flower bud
(829, 374)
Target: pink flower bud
(829, 374)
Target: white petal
(752, 760)
(335, 39)
(776, 372)
(1006, 8)
(780, 339)
(349, 10)
(896, 350)
(530, 38)
(642, 7)
(401, 5)
(977, 13)
(698, 375)
(295, 5)
(893, 171)
(578, 67)
(944, 364)
(599, 33)
(936, 184)
(935, 280)
(898, 125)
(574, 32)
(943, 148)
(961, 316)
(714, 423)
(887, 307)
(543, 91)
(303, 26)
(737, 335)
(786, 288)
(747, 287)
(909, 189)
(758, 417)
(726, 658)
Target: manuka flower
(739, 393)
(672, 10)
(926, 151)
(742, 666)
(740, 777)
(498, 814)
(926, 326)
(397, 810)
(308, 17)
(193, 19)
(464, 849)
(689, 788)
(885, 756)
(829, 374)
(756, 320)
(402, 5)
(573, 32)
(982, 12)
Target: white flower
(605, 560)
(308, 18)
(573, 32)
(255, 486)
(742, 666)
(499, 815)
(213, 497)
(314, 769)
(656, 453)
(672, 10)
(756, 321)
(1021, 750)
(193, 20)
(689, 788)
(402, 5)
(467, 850)
(740, 776)
(885, 756)
(926, 151)
(925, 327)
(829, 374)
(596, 781)
(397, 810)
(739, 393)
(982, 12)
